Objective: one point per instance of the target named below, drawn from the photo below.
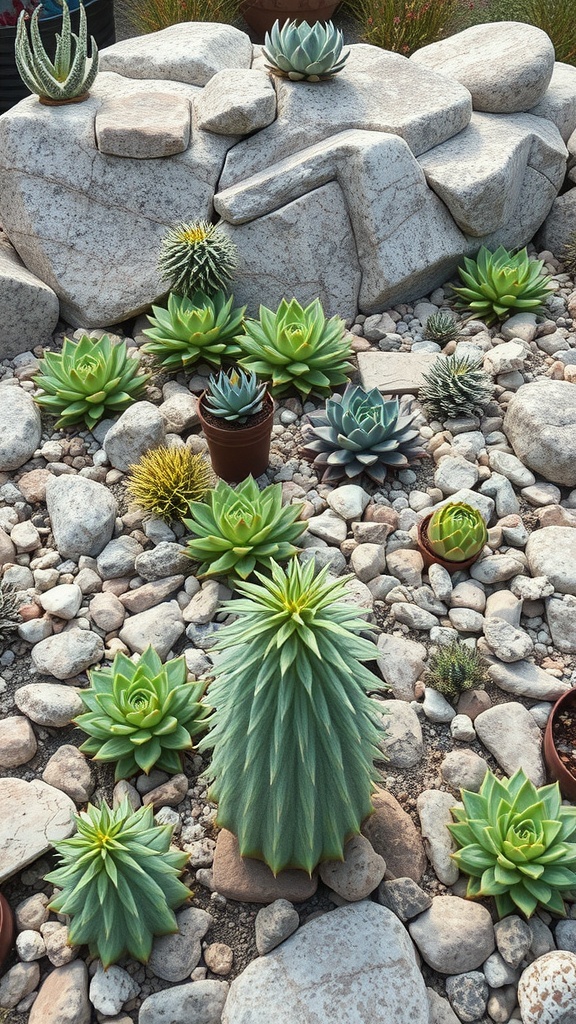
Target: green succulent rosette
(235, 395)
(498, 284)
(456, 532)
(517, 844)
(303, 52)
(142, 716)
(195, 328)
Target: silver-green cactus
(234, 396)
(71, 74)
(304, 52)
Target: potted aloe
(236, 414)
(66, 79)
(560, 743)
(452, 536)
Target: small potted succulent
(452, 536)
(236, 414)
(6, 928)
(66, 79)
(560, 743)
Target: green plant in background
(165, 480)
(87, 379)
(237, 529)
(235, 395)
(197, 257)
(405, 25)
(455, 386)
(153, 15)
(142, 716)
(456, 532)
(199, 328)
(297, 347)
(119, 881)
(442, 327)
(71, 73)
(454, 668)
(555, 17)
(303, 52)
(295, 734)
(568, 255)
(515, 846)
(498, 284)
(9, 614)
(362, 432)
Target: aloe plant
(71, 74)
(119, 881)
(142, 716)
(196, 257)
(87, 379)
(455, 667)
(193, 329)
(456, 532)
(517, 843)
(442, 327)
(303, 52)
(455, 386)
(237, 529)
(294, 733)
(235, 395)
(497, 284)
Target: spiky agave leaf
(165, 480)
(456, 532)
(119, 881)
(517, 844)
(71, 74)
(362, 432)
(87, 379)
(237, 529)
(235, 395)
(455, 667)
(500, 283)
(197, 257)
(455, 386)
(295, 735)
(141, 716)
(304, 52)
(296, 347)
(195, 328)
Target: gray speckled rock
(33, 816)
(551, 552)
(82, 513)
(402, 740)
(49, 703)
(191, 52)
(66, 654)
(540, 424)
(160, 626)
(511, 735)
(174, 957)
(453, 935)
(274, 924)
(137, 430)
(434, 810)
(200, 1002)
(20, 428)
(29, 307)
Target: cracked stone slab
(34, 816)
(143, 125)
(394, 373)
(559, 101)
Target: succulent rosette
(194, 328)
(497, 284)
(456, 532)
(303, 52)
(235, 395)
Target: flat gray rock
(540, 424)
(511, 735)
(551, 552)
(199, 1002)
(236, 102)
(20, 428)
(525, 679)
(395, 373)
(82, 514)
(49, 704)
(34, 816)
(190, 52)
(160, 626)
(143, 125)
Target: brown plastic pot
(430, 557)
(6, 928)
(260, 15)
(556, 768)
(238, 452)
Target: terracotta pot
(556, 768)
(238, 452)
(428, 555)
(6, 928)
(260, 15)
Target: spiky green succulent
(87, 379)
(442, 327)
(141, 716)
(71, 73)
(518, 844)
(239, 528)
(568, 255)
(498, 284)
(165, 480)
(455, 386)
(197, 257)
(456, 667)
(297, 347)
(193, 329)
(362, 432)
(235, 395)
(9, 605)
(303, 52)
(456, 532)
(295, 735)
(120, 882)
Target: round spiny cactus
(196, 257)
(165, 480)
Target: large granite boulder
(540, 424)
(29, 307)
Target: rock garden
(288, 532)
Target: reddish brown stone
(555, 515)
(251, 881)
(395, 837)
(32, 485)
(381, 514)
(30, 611)
(473, 703)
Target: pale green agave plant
(120, 882)
(197, 257)
(295, 735)
(142, 716)
(193, 329)
(235, 395)
(297, 347)
(517, 844)
(87, 379)
(71, 74)
(303, 52)
(456, 532)
(498, 284)
(362, 432)
(237, 529)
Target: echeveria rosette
(294, 734)
(456, 532)
(303, 52)
(120, 882)
(516, 844)
(297, 347)
(239, 528)
(362, 432)
(142, 716)
(497, 284)
(196, 328)
(235, 395)
(87, 379)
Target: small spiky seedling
(442, 327)
(71, 74)
(455, 386)
(303, 52)
(200, 328)
(197, 257)
(497, 284)
(119, 882)
(235, 395)
(9, 605)
(454, 668)
(165, 480)
(295, 735)
(568, 255)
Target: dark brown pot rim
(431, 558)
(556, 767)
(239, 432)
(47, 101)
(6, 928)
